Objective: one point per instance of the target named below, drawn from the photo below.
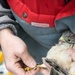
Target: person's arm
(15, 53)
(7, 20)
(6, 17)
(14, 49)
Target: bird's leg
(34, 68)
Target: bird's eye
(68, 39)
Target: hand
(16, 54)
(72, 53)
(45, 71)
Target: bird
(58, 56)
(68, 37)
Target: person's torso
(41, 19)
(37, 11)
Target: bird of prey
(58, 56)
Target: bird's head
(68, 37)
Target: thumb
(28, 59)
(72, 54)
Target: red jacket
(42, 11)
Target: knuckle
(24, 49)
(22, 52)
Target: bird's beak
(61, 39)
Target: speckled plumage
(69, 37)
(59, 58)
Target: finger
(15, 67)
(45, 71)
(27, 59)
(32, 72)
(72, 54)
(18, 70)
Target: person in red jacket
(29, 28)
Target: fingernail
(33, 64)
